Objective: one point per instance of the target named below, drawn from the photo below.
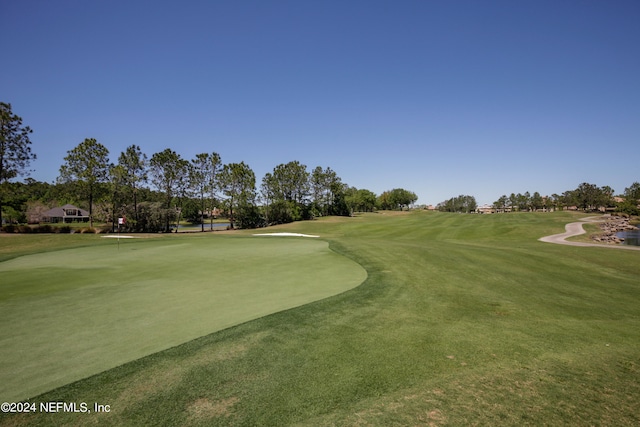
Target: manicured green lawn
(462, 320)
(71, 313)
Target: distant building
(66, 213)
(215, 213)
(485, 209)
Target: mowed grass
(71, 313)
(462, 320)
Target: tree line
(586, 197)
(461, 204)
(155, 192)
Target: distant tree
(501, 204)
(568, 198)
(267, 196)
(248, 215)
(461, 204)
(523, 201)
(384, 201)
(587, 196)
(470, 204)
(633, 191)
(169, 175)
(399, 198)
(13, 215)
(35, 211)
(276, 209)
(191, 211)
(134, 174)
(238, 183)
(88, 165)
(351, 199)
(15, 148)
(216, 169)
(606, 197)
(318, 190)
(117, 183)
(203, 175)
(292, 180)
(286, 192)
(536, 201)
(327, 191)
(337, 195)
(360, 200)
(152, 216)
(554, 201)
(367, 200)
(631, 200)
(38, 190)
(15, 197)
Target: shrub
(65, 229)
(25, 229)
(152, 217)
(43, 229)
(9, 228)
(249, 216)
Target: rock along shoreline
(610, 227)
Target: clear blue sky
(439, 97)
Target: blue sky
(439, 97)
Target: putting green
(72, 313)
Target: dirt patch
(147, 384)
(203, 409)
(208, 355)
(395, 213)
(433, 418)
(222, 352)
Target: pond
(631, 237)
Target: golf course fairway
(462, 320)
(68, 314)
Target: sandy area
(286, 234)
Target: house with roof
(485, 209)
(65, 214)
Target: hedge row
(65, 229)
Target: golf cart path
(575, 229)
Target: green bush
(152, 217)
(9, 228)
(249, 216)
(25, 229)
(65, 229)
(43, 229)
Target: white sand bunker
(120, 237)
(286, 234)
